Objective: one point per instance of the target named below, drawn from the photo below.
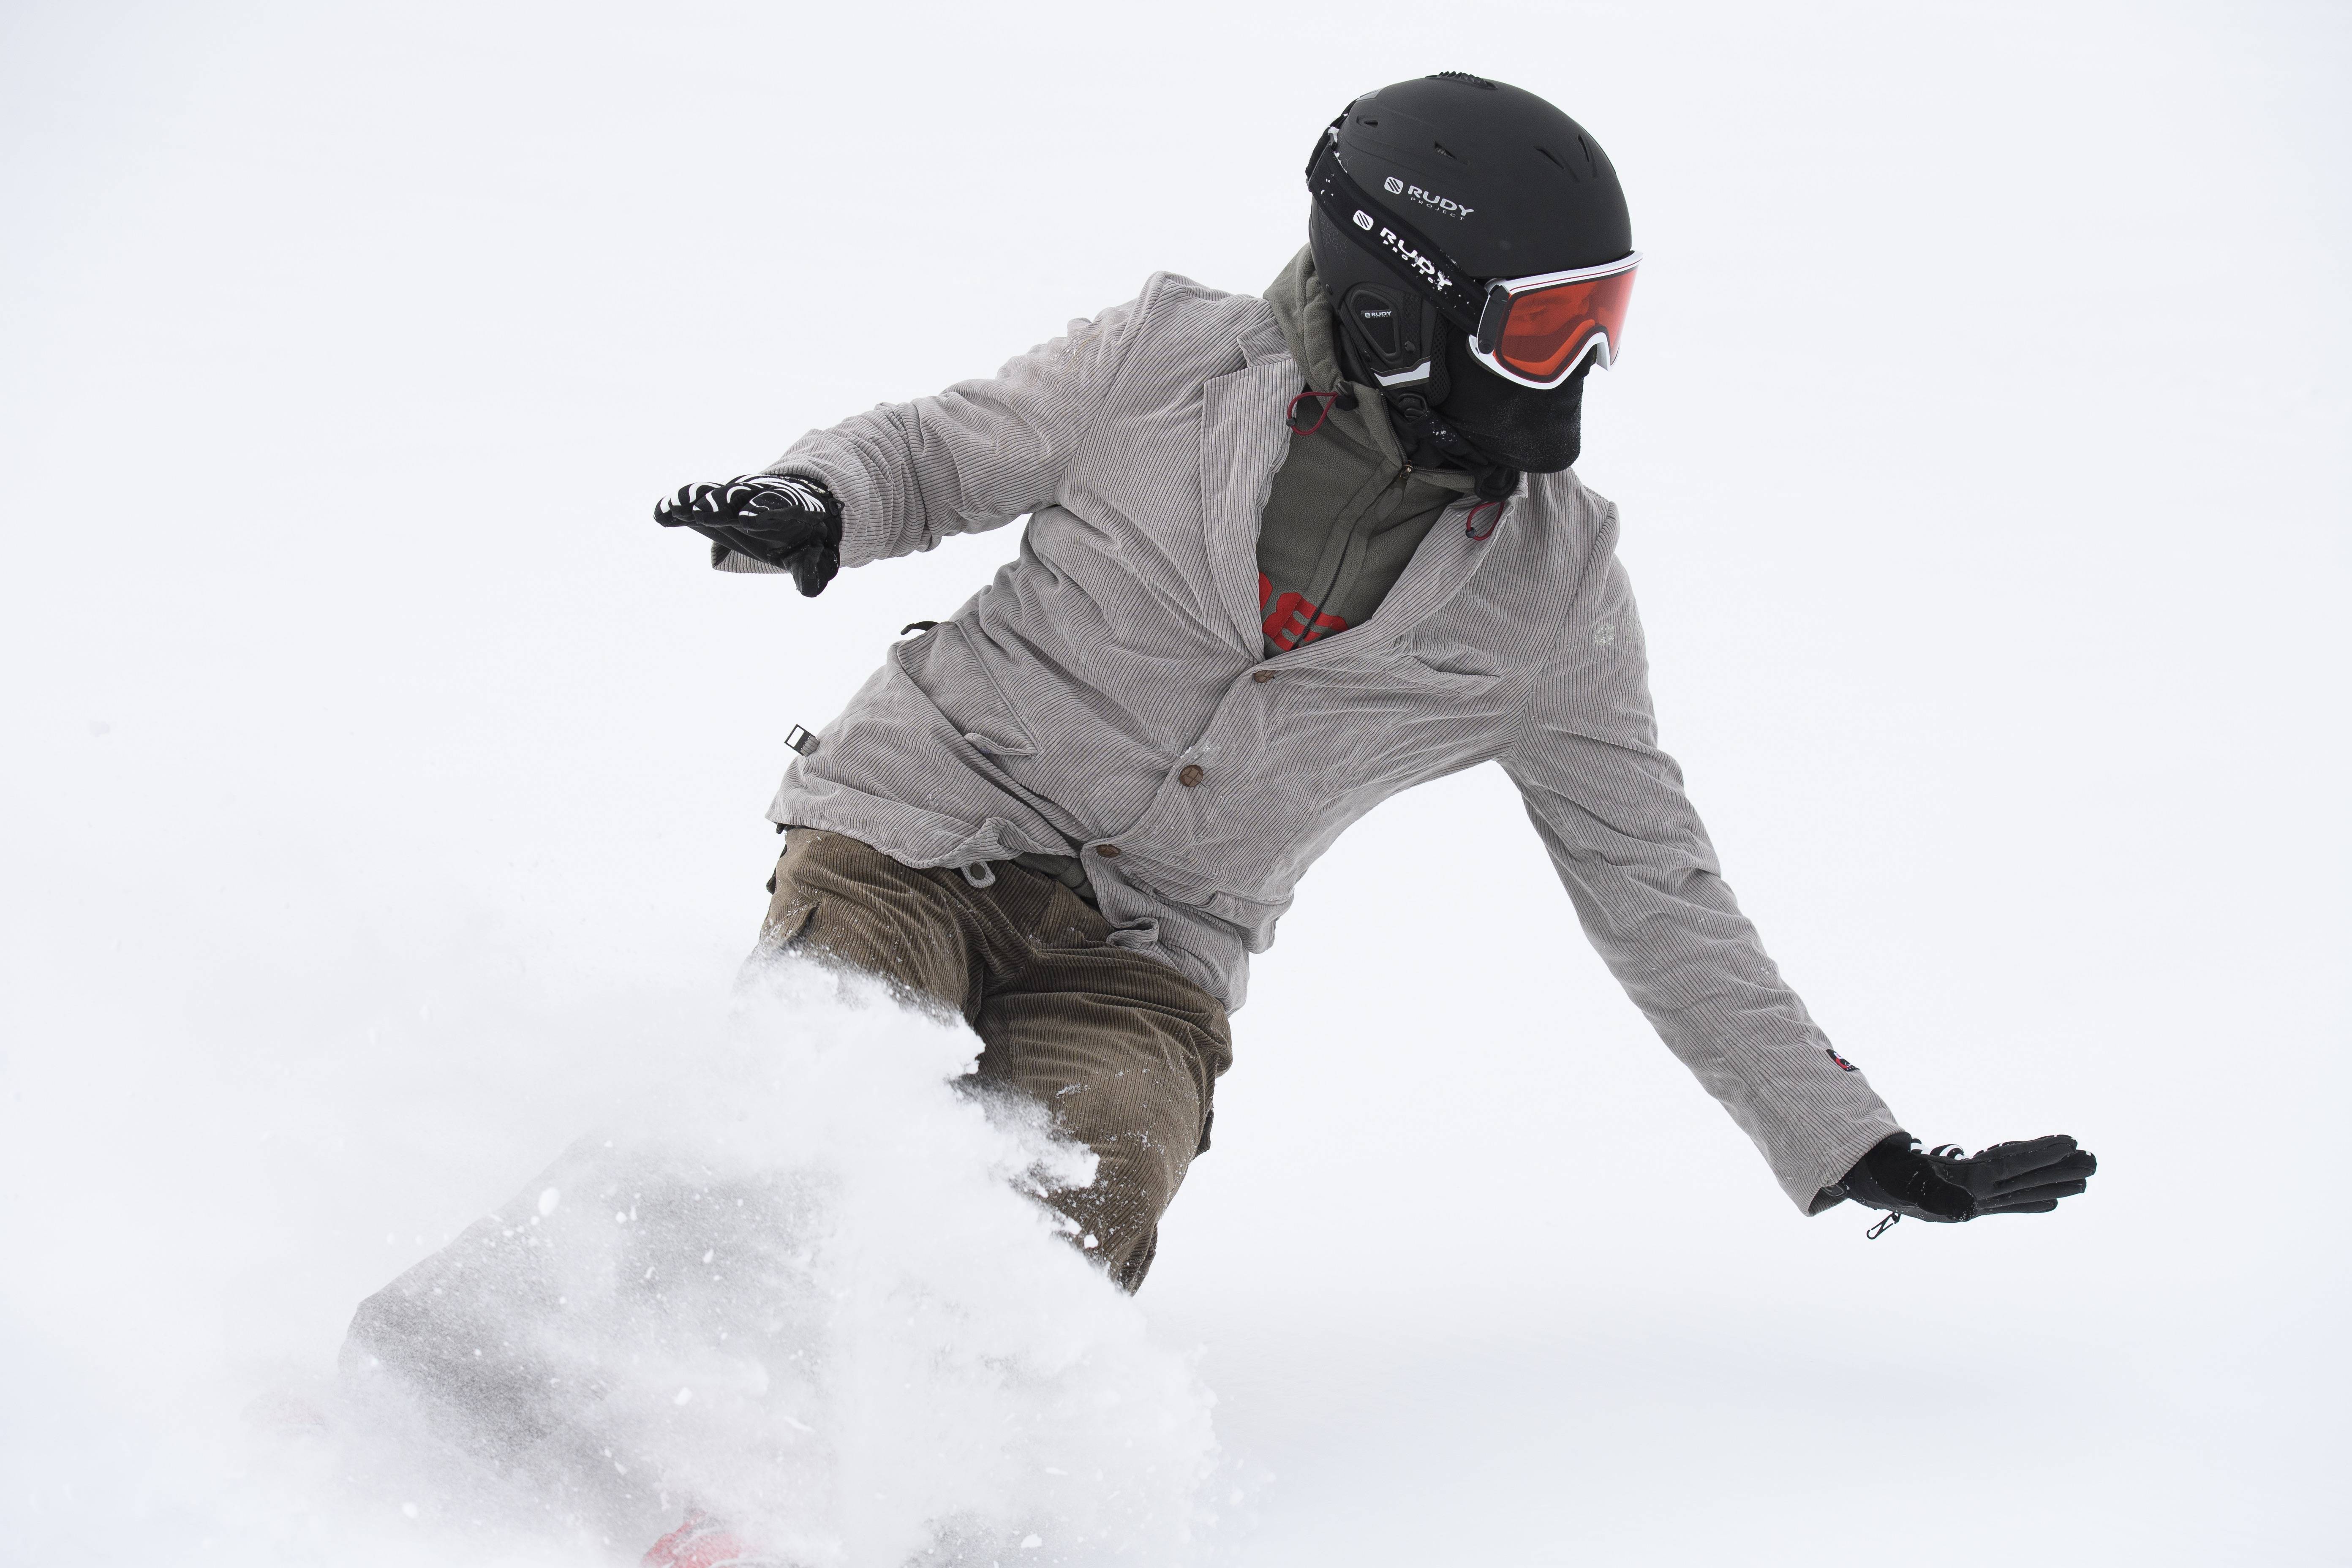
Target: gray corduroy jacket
(1061, 708)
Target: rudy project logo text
(1413, 258)
(1452, 208)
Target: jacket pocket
(1443, 664)
(1251, 915)
(1421, 672)
(945, 667)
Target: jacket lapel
(1439, 569)
(1242, 441)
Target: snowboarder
(1286, 555)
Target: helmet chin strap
(1414, 409)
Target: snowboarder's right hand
(786, 521)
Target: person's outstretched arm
(904, 476)
(1636, 861)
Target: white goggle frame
(1599, 347)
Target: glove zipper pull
(1881, 1228)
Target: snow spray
(795, 1281)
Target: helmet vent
(1590, 161)
(1463, 77)
(1449, 152)
(1553, 159)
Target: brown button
(1108, 851)
(1190, 775)
(1261, 676)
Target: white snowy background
(383, 791)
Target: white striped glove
(784, 521)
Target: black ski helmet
(1502, 182)
(1475, 178)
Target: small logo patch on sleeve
(1843, 1065)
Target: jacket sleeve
(1637, 864)
(973, 457)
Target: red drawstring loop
(1322, 401)
(1470, 525)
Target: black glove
(783, 520)
(1943, 1183)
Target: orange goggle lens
(1548, 329)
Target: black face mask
(1535, 432)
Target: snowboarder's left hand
(784, 521)
(1944, 1185)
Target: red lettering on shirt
(1290, 620)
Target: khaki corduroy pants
(1122, 1050)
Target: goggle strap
(1411, 254)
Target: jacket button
(1261, 676)
(1190, 775)
(1108, 851)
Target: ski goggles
(1537, 331)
